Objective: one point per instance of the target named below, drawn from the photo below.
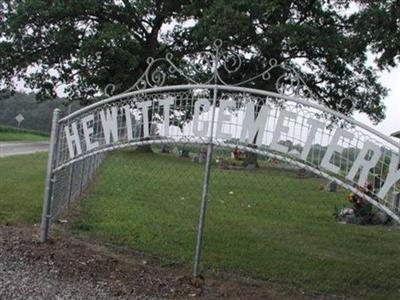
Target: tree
(378, 24)
(83, 44)
(37, 115)
(89, 44)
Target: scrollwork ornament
(346, 104)
(288, 84)
(214, 61)
(157, 78)
(232, 62)
(109, 90)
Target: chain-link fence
(71, 181)
(248, 155)
(149, 201)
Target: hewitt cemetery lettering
(327, 142)
(185, 113)
(236, 120)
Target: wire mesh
(70, 182)
(140, 196)
(266, 124)
(261, 212)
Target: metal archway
(330, 144)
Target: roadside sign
(19, 119)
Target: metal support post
(82, 175)
(204, 195)
(48, 191)
(396, 202)
(70, 184)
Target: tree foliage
(378, 24)
(85, 45)
(37, 116)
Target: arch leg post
(46, 215)
(203, 208)
(204, 194)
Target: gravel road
(15, 148)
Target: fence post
(70, 183)
(44, 228)
(71, 168)
(204, 194)
(91, 167)
(396, 202)
(82, 174)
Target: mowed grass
(21, 188)
(150, 202)
(13, 134)
(267, 224)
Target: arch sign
(214, 113)
(234, 126)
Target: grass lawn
(21, 188)
(267, 224)
(14, 134)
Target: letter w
(109, 122)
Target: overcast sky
(391, 123)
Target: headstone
(301, 173)
(165, 148)
(202, 156)
(331, 187)
(294, 153)
(251, 167)
(380, 218)
(348, 216)
(184, 153)
(222, 164)
(353, 219)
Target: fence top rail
(298, 100)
